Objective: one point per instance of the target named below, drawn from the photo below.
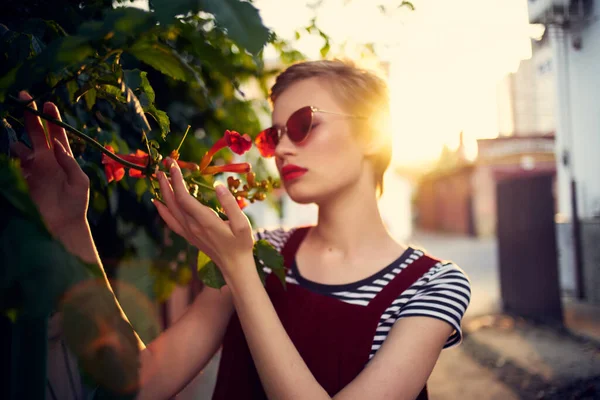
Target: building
(459, 196)
(571, 46)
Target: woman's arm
(177, 355)
(399, 370)
(60, 189)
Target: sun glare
(444, 60)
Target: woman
(341, 328)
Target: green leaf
(90, 98)
(166, 10)
(164, 59)
(241, 20)
(211, 276)
(138, 81)
(325, 49)
(67, 52)
(162, 118)
(135, 108)
(118, 27)
(271, 258)
(202, 260)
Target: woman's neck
(351, 223)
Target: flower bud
(250, 178)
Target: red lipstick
(291, 171)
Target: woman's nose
(285, 147)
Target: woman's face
(330, 160)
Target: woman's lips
(290, 172)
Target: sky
(446, 59)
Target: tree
(133, 80)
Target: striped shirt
(443, 292)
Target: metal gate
(529, 281)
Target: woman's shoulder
(441, 268)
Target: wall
(584, 79)
(526, 99)
(444, 203)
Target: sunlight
(445, 59)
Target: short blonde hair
(361, 93)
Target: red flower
(140, 158)
(113, 170)
(242, 203)
(265, 144)
(239, 144)
(241, 168)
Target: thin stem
(184, 136)
(204, 185)
(80, 135)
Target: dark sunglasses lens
(299, 124)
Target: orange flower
(240, 168)
(265, 144)
(115, 171)
(242, 203)
(239, 144)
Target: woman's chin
(300, 195)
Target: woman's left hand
(228, 243)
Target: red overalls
(333, 337)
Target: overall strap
(291, 245)
(409, 275)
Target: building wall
(484, 201)
(444, 202)
(584, 77)
(526, 99)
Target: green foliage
(271, 258)
(264, 254)
(31, 274)
(240, 19)
(164, 59)
(211, 275)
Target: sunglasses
(298, 125)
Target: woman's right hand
(57, 185)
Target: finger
(55, 131)
(237, 219)
(169, 198)
(22, 152)
(187, 203)
(75, 176)
(33, 125)
(169, 219)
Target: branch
(79, 134)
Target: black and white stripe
(443, 292)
